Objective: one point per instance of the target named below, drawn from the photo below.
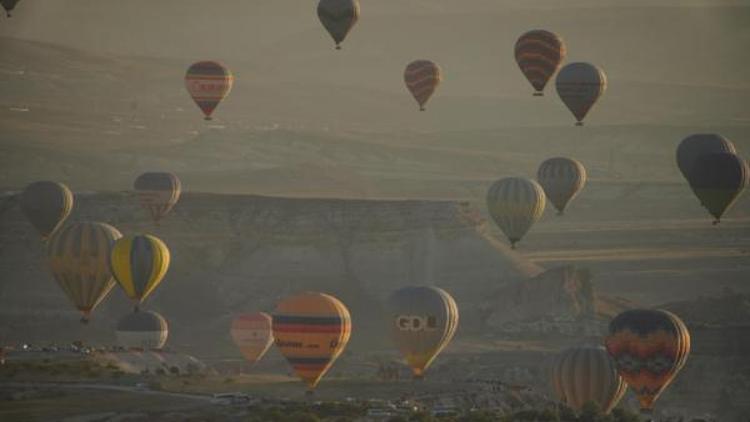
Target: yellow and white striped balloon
(515, 203)
(78, 256)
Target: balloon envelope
(252, 333)
(649, 348)
(515, 204)
(311, 330)
(78, 256)
(9, 5)
(422, 78)
(208, 83)
(158, 192)
(562, 179)
(142, 330)
(539, 54)
(338, 17)
(587, 374)
(579, 86)
(139, 264)
(718, 179)
(46, 205)
(699, 144)
(422, 322)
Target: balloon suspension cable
(538, 94)
(579, 123)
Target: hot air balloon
(338, 17)
(515, 203)
(158, 192)
(539, 54)
(587, 374)
(561, 178)
(422, 322)
(699, 144)
(9, 5)
(78, 256)
(311, 330)
(718, 179)
(46, 205)
(252, 334)
(649, 348)
(422, 77)
(142, 330)
(139, 264)
(579, 86)
(208, 83)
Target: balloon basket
(579, 124)
(538, 94)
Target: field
(319, 173)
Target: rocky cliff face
(236, 254)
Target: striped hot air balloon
(539, 54)
(311, 330)
(699, 144)
(587, 374)
(142, 330)
(139, 264)
(252, 333)
(78, 256)
(718, 179)
(579, 86)
(46, 205)
(158, 192)
(649, 348)
(422, 77)
(515, 204)
(208, 83)
(338, 18)
(422, 322)
(562, 179)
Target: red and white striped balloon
(422, 77)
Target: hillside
(233, 254)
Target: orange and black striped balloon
(422, 78)
(158, 192)
(649, 348)
(539, 54)
(311, 330)
(562, 179)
